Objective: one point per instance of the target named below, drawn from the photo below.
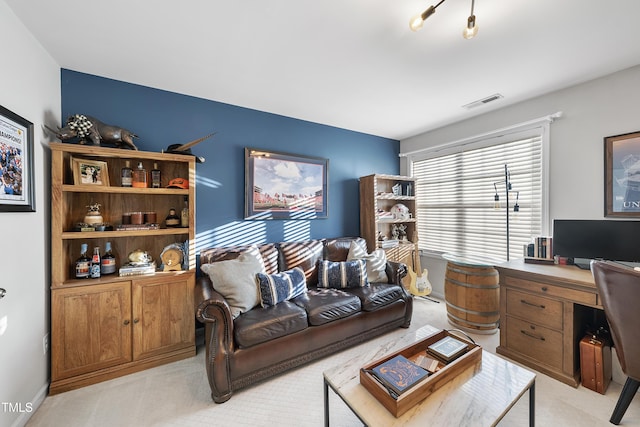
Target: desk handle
(532, 304)
(545, 289)
(532, 336)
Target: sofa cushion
(278, 287)
(235, 280)
(377, 295)
(264, 324)
(305, 255)
(341, 275)
(325, 305)
(268, 252)
(337, 249)
(376, 262)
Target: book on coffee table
(399, 374)
(448, 348)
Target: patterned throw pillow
(340, 275)
(376, 262)
(278, 287)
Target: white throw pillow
(376, 262)
(235, 280)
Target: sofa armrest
(213, 310)
(396, 271)
(206, 298)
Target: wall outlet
(45, 344)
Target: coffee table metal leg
(532, 404)
(326, 403)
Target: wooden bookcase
(114, 325)
(377, 197)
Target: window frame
(538, 127)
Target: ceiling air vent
(483, 101)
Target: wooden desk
(544, 312)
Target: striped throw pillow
(340, 275)
(278, 287)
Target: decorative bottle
(184, 215)
(140, 176)
(126, 174)
(83, 264)
(95, 263)
(172, 219)
(108, 263)
(156, 176)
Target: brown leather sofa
(264, 342)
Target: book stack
(131, 269)
(540, 251)
(389, 243)
(123, 227)
(398, 374)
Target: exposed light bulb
(496, 202)
(471, 29)
(416, 22)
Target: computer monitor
(597, 239)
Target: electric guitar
(418, 285)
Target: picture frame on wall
(17, 183)
(90, 172)
(622, 175)
(285, 186)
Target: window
(455, 195)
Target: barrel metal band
(470, 285)
(490, 324)
(478, 313)
(492, 272)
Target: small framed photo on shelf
(90, 172)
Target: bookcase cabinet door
(91, 328)
(163, 317)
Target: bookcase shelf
(110, 326)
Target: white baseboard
(37, 400)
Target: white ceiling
(353, 64)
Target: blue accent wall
(162, 118)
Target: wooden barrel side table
(472, 294)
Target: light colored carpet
(178, 394)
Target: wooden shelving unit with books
(105, 327)
(378, 195)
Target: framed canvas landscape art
(284, 186)
(622, 175)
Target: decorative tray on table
(403, 379)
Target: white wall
(592, 111)
(30, 87)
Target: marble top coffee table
(474, 398)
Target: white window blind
(455, 198)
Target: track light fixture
(470, 30)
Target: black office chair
(619, 290)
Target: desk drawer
(537, 342)
(581, 297)
(534, 308)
